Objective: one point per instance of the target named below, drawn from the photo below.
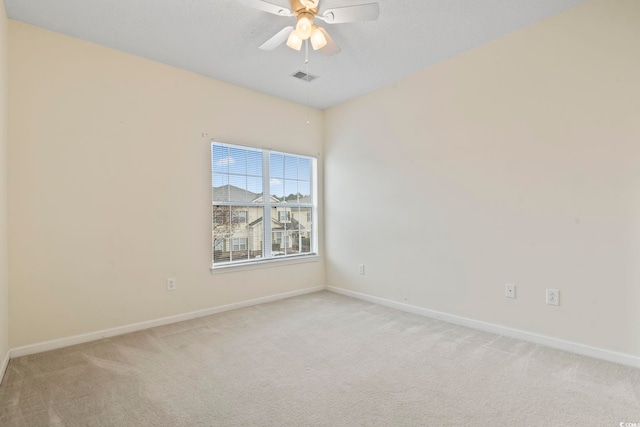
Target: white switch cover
(171, 284)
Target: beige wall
(4, 275)
(109, 186)
(517, 162)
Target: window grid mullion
(230, 219)
(266, 206)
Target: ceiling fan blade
(361, 12)
(331, 48)
(279, 38)
(266, 7)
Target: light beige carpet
(317, 360)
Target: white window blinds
(263, 204)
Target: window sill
(272, 262)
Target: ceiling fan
(305, 12)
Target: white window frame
(267, 255)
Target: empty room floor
(320, 359)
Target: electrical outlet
(553, 297)
(510, 291)
(171, 284)
(361, 268)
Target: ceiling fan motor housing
(298, 6)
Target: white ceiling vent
(304, 76)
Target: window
(240, 217)
(281, 244)
(283, 216)
(218, 217)
(262, 205)
(239, 243)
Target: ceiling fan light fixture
(318, 40)
(304, 25)
(294, 41)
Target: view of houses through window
(246, 225)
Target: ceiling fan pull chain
(306, 61)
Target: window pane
(220, 188)
(293, 216)
(255, 238)
(237, 173)
(237, 161)
(283, 215)
(305, 227)
(254, 186)
(304, 189)
(220, 159)
(239, 244)
(254, 163)
(291, 191)
(277, 240)
(290, 167)
(220, 180)
(276, 165)
(239, 216)
(245, 239)
(277, 189)
(291, 243)
(221, 231)
(304, 169)
(238, 189)
(293, 231)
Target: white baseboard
(5, 363)
(121, 330)
(573, 347)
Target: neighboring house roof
(231, 193)
(273, 199)
(295, 225)
(256, 222)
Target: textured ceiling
(220, 38)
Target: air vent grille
(301, 75)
